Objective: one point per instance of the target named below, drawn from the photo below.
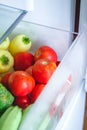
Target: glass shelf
(9, 18)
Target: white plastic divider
(73, 117)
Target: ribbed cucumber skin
(13, 119)
(5, 114)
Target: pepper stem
(4, 60)
(26, 40)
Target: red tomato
(21, 83)
(22, 102)
(45, 52)
(57, 63)
(36, 92)
(4, 80)
(42, 70)
(29, 70)
(23, 60)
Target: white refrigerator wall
(83, 15)
(54, 13)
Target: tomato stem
(26, 40)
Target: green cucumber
(25, 111)
(13, 119)
(5, 114)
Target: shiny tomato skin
(5, 78)
(29, 70)
(36, 92)
(42, 70)
(22, 102)
(45, 52)
(23, 60)
(21, 83)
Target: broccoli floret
(6, 98)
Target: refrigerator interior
(10, 17)
(52, 13)
(45, 30)
(82, 26)
(83, 15)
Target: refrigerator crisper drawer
(73, 118)
(62, 88)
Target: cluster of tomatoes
(31, 74)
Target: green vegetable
(11, 118)
(25, 111)
(5, 114)
(24, 115)
(6, 98)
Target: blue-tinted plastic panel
(9, 18)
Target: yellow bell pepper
(20, 43)
(6, 61)
(5, 44)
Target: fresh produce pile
(23, 76)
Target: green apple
(20, 43)
(5, 44)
